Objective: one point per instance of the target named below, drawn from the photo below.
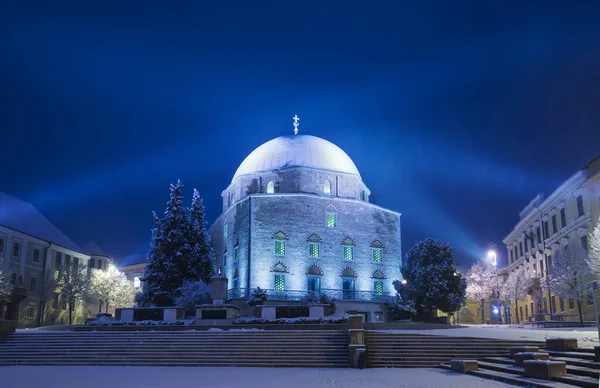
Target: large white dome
(297, 151)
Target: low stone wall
(409, 326)
(336, 326)
(7, 327)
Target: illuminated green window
(348, 253)
(378, 287)
(225, 232)
(331, 220)
(313, 250)
(279, 283)
(236, 253)
(280, 247)
(377, 255)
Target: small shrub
(257, 297)
(289, 321)
(105, 321)
(314, 298)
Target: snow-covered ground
(587, 337)
(168, 377)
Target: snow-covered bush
(431, 278)
(257, 297)
(289, 321)
(106, 321)
(192, 293)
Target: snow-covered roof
(22, 216)
(297, 151)
(93, 249)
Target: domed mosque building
(297, 218)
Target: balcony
(294, 295)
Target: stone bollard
(358, 356)
(561, 344)
(463, 366)
(357, 347)
(545, 370)
(522, 349)
(521, 357)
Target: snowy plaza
(128, 377)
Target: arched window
(280, 238)
(348, 244)
(270, 187)
(327, 187)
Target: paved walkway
(170, 377)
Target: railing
(296, 295)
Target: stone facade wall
(299, 215)
(237, 219)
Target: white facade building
(548, 225)
(31, 250)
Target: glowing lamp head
(496, 310)
(403, 281)
(491, 255)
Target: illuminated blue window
(314, 284)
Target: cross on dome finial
(296, 123)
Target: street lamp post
(491, 254)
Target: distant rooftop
(24, 217)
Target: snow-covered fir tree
(74, 287)
(169, 253)
(516, 287)
(594, 246)
(481, 284)
(570, 276)
(111, 288)
(431, 279)
(203, 257)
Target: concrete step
(257, 363)
(570, 378)
(579, 381)
(579, 355)
(515, 379)
(579, 362)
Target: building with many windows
(547, 226)
(32, 252)
(297, 218)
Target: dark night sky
(455, 116)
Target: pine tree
(431, 279)
(203, 257)
(481, 284)
(169, 254)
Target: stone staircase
(321, 348)
(385, 350)
(582, 370)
